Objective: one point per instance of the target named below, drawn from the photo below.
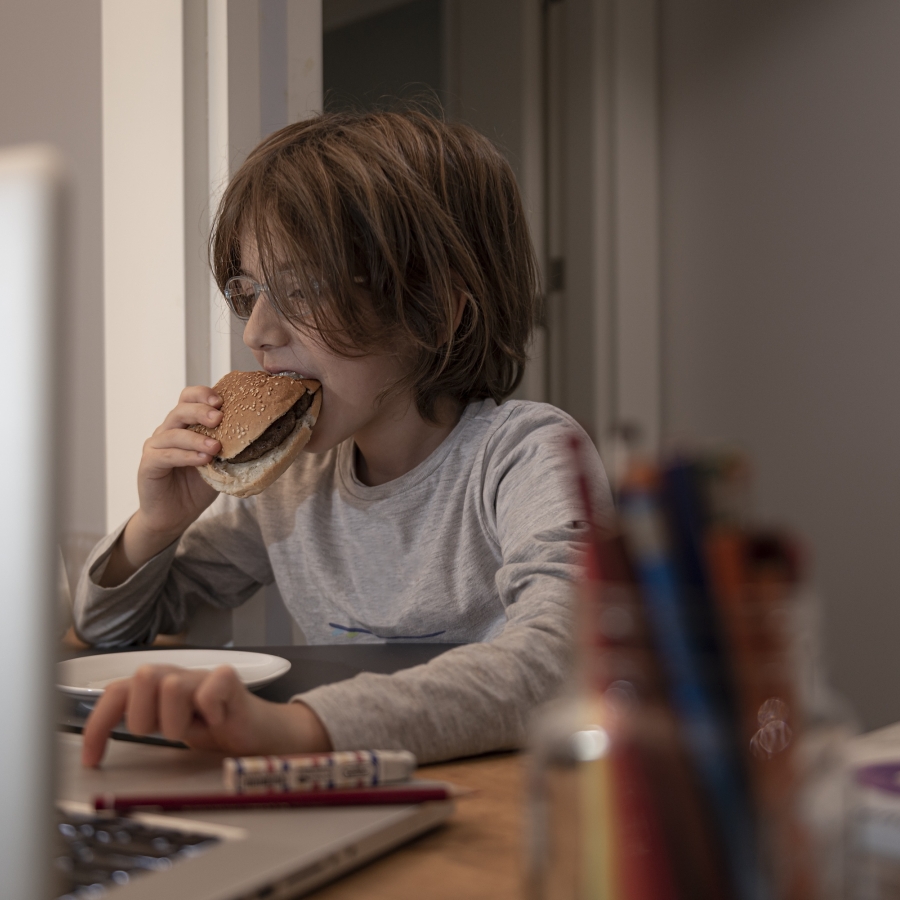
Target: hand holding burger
(236, 438)
(266, 421)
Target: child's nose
(265, 328)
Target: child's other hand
(206, 710)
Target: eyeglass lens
(241, 294)
(286, 293)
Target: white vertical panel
(196, 192)
(30, 252)
(143, 210)
(636, 218)
(233, 66)
(304, 70)
(219, 170)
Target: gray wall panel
(50, 84)
(781, 275)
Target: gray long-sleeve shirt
(478, 545)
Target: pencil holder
(698, 756)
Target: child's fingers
(176, 449)
(218, 695)
(160, 462)
(199, 393)
(107, 713)
(181, 439)
(142, 709)
(191, 414)
(182, 704)
(177, 710)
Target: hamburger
(266, 421)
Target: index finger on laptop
(104, 717)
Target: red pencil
(414, 793)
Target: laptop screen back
(30, 200)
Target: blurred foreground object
(873, 820)
(699, 756)
(32, 198)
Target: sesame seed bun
(251, 402)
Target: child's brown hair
(411, 209)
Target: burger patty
(275, 433)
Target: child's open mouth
(297, 376)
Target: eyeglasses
(287, 294)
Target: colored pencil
(414, 793)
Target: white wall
(50, 90)
(144, 232)
(781, 274)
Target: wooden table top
(477, 855)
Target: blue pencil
(704, 728)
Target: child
(387, 256)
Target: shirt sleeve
(479, 697)
(220, 561)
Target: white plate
(88, 676)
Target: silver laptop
(222, 856)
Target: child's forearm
(136, 546)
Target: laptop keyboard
(96, 853)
